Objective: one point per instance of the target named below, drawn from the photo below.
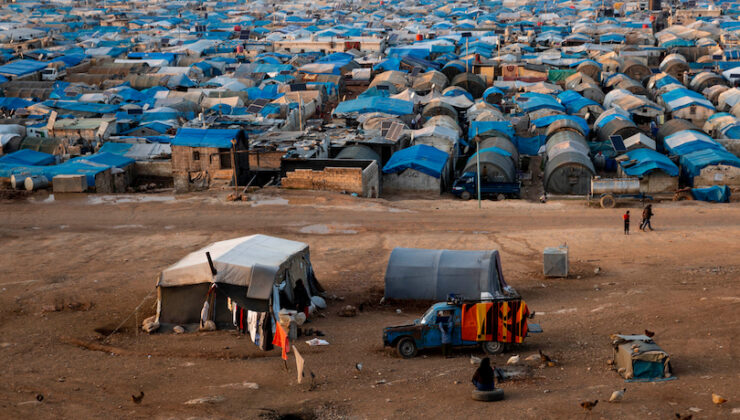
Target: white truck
(55, 71)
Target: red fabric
(281, 340)
(626, 217)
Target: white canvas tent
(253, 271)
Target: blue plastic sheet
(715, 194)
(647, 160)
(425, 159)
(205, 137)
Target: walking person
(445, 323)
(647, 214)
(626, 218)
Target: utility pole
(477, 165)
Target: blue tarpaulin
(14, 103)
(533, 101)
(715, 194)
(22, 67)
(546, 121)
(27, 157)
(692, 163)
(375, 104)
(425, 159)
(205, 137)
(643, 161)
(480, 127)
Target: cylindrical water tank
(615, 186)
(36, 182)
(18, 182)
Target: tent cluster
(425, 89)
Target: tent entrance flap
(238, 295)
(261, 281)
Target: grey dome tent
(433, 274)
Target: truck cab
(465, 187)
(54, 71)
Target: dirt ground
(74, 269)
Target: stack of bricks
(330, 179)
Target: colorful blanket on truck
(503, 321)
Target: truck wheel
(608, 201)
(406, 348)
(465, 195)
(500, 197)
(493, 347)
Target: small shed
(200, 156)
(417, 168)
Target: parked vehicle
(465, 187)
(424, 333)
(54, 71)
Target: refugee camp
(346, 209)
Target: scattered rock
(150, 324)
(695, 409)
(242, 385)
(208, 326)
(206, 400)
(348, 311)
(597, 270)
(398, 311)
(178, 329)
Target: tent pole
(477, 165)
(233, 168)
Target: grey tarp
(248, 271)
(433, 274)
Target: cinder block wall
(329, 179)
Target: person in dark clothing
(483, 378)
(302, 300)
(647, 213)
(626, 218)
(445, 328)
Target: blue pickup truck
(465, 187)
(424, 333)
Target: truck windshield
(429, 316)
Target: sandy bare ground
(71, 266)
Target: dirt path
(74, 265)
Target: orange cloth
(281, 340)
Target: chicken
(588, 405)
(513, 360)
(649, 333)
(547, 360)
(686, 417)
(137, 398)
(618, 395)
(718, 399)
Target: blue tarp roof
(546, 121)
(22, 67)
(375, 104)
(533, 101)
(205, 137)
(14, 103)
(425, 159)
(681, 98)
(26, 157)
(480, 127)
(688, 141)
(692, 163)
(647, 160)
